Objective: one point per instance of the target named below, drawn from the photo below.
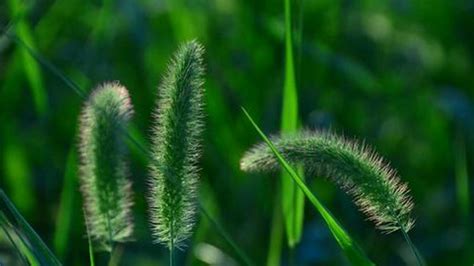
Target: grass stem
(291, 256)
(171, 247)
(462, 178)
(243, 257)
(89, 241)
(419, 260)
(115, 255)
(276, 235)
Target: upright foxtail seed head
(374, 185)
(176, 137)
(103, 168)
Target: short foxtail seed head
(176, 135)
(103, 168)
(374, 185)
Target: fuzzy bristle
(103, 167)
(374, 185)
(176, 135)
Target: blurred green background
(398, 74)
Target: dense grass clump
(103, 170)
(375, 186)
(176, 137)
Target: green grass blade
(462, 179)
(30, 66)
(292, 198)
(135, 141)
(462, 192)
(352, 251)
(40, 59)
(17, 170)
(19, 247)
(33, 243)
(66, 206)
(184, 21)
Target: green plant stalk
(89, 242)
(276, 233)
(462, 178)
(171, 249)
(116, 255)
(66, 206)
(350, 248)
(239, 252)
(417, 255)
(292, 198)
(462, 190)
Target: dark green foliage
(103, 169)
(176, 147)
(376, 188)
(398, 73)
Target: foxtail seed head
(374, 185)
(103, 168)
(176, 135)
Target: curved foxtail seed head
(374, 185)
(176, 135)
(103, 168)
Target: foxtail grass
(103, 167)
(375, 186)
(176, 136)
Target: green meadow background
(397, 74)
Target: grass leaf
(292, 198)
(28, 242)
(462, 178)
(66, 206)
(30, 66)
